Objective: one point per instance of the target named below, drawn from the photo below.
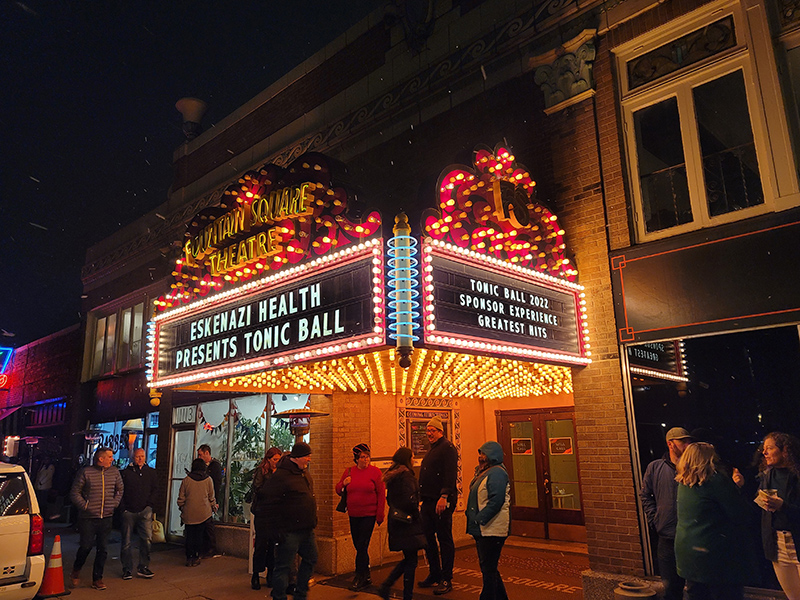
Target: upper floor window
(695, 100)
(118, 340)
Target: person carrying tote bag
(405, 527)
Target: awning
(4, 412)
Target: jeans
(264, 550)
(209, 537)
(441, 527)
(406, 568)
(714, 591)
(361, 532)
(142, 524)
(489, 549)
(194, 539)
(93, 534)
(291, 544)
(673, 583)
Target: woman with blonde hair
(779, 497)
(711, 535)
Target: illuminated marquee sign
(267, 220)
(658, 360)
(486, 305)
(215, 244)
(331, 306)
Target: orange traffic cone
(53, 581)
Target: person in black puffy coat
(264, 550)
(402, 495)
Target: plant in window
(248, 450)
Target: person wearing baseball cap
(437, 489)
(659, 499)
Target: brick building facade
(548, 80)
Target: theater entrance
(541, 457)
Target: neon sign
(268, 220)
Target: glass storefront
(236, 430)
(123, 437)
(740, 387)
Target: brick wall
(610, 506)
(47, 368)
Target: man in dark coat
(291, 511)
(138, 502)
(96, 492)
(437, 488)
(214, 470)
(659, 499)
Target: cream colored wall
(383, 416)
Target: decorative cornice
(502, 40)
(789, 12)
(567, 78)
(171, 227)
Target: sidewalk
(556, 575)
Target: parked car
(22, 559)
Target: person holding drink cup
(779, 497)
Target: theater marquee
(324, 308)
(486, 305)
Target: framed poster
(522, 446)
(416, 424)
(560, 446)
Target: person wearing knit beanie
(437, 423)
(365, 494)
(358, 450)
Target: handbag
(158, 536)
(398, 515)
(342, 506)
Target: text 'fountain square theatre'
(292, 295)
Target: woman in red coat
(366, 501)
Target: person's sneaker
(443, 587)
(98, 584)
(196, 562)
(428, 582)
(127, 575)
(75, 578)
(145, 572)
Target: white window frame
(103, 315)
(767, 114)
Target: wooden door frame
(540, 415)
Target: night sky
(88, 122)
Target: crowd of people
(418, 513)
(698, 505)
(283, 505)
(700, 508)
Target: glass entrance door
(541, 457)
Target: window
(117, 341)
(694, 105)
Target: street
(529, 572)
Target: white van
(21, 536)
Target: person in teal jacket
(711, 537)
(488, 516)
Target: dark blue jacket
(660, 497)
